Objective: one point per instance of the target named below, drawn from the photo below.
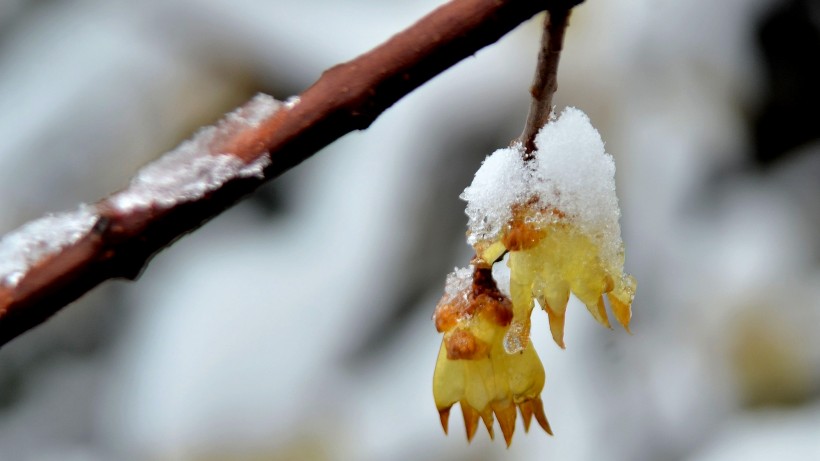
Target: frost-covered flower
(557, 216)
(473, 368)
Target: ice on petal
(459, 282)
(517, 337)
(25, 246)
(192, 170)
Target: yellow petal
(556, 323)
(492, 252)
(622, 311)
(553, 295)
(449, 380)
(610, 284)
(538, 410)
(470, 420)
(505, 412)
(487, 417)
(481, 384)
(594, 304)
(524, 374)
(526, 414)
(620, 298)
(444, 416)
(601, 309)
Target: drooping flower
(557, 216)
(555, 212)
(551, 257)
(473, 369)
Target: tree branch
(123, 237)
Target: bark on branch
(347, 97)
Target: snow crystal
(191, 170)
(577, 176)
(571, 172)
(459, 282)
(501, 275)
(259, 108)
(502, 180)
(22, 248)
(292, 102)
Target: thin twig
(346, 98)
(545, 83)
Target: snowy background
(297, 325)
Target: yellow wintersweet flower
(549, 258)
(473, 368)
(555, 212)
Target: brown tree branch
(545, 83)
(347, 97)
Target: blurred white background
(297, 325)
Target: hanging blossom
(473, 368)
(556, 215)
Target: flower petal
(556, 323)
(538, 410)
(444, 416)
(525, 408)
(470, 419)
(487, 417)
(505, 412)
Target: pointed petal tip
(622, 311)
(470, 420)
(444, 417)
(556, 322)
(538, 411)
(487, 417)
(526, 414)
(506, 415)
(602, 317)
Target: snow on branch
(51, 262)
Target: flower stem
(545, 82)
